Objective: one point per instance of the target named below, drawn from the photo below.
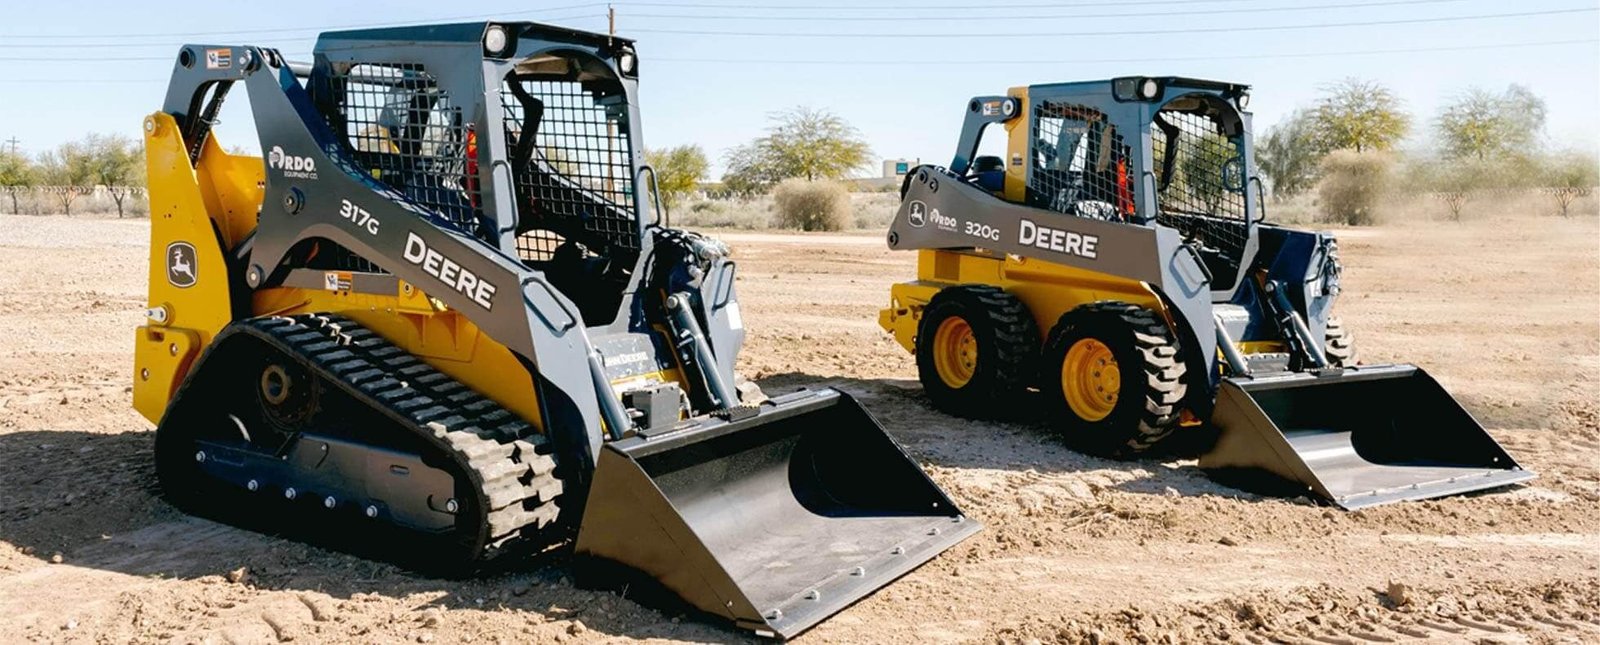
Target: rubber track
(506, 460)
(1339, 347)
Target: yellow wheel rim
(1090, 379)
(955, 352)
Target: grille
(570, 155)
(1192, 186)
(407, 134)
(1079, 163)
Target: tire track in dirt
(1074, 546)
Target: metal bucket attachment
(1357, 437)
(775, 521)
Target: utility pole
(611, 125)
(13, 141)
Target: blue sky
(68, 68)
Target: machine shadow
(94, 499)
(1019, 440)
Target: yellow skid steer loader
(1114, 260)
(444, 303)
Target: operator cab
(1079, 163)
(566, 147)
(1079, 149)
(1199, 146)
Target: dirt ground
(1075, 548)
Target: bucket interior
(1374, 436)
(802, 511)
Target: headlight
(496, 40)
(1148, 89)
(1136, 88)
(628, 62)
(1244, 100)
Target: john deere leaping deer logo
(917, 215)
(181, 271)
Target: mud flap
(1357, 437)
(775, 521)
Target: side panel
(724, 321)
(940, 211)
(1308, 262)
(188, 274)
(232, 186)
(1047, 288)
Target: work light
(496, 40)
(628, 62)
(1149, 89)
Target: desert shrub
(874, 211)
(1298, 210)
(746, 214)
(812, 205)
(1572, 176)
(1353, 185)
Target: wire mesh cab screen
(567, 135)
(406, 133)
(1079, 163)
(1198, 160)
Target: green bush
(1353, 184)
(813, 205)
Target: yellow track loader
(1114, 261)
(445, 305)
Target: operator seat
(989, 173)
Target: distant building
(893, 168)
(894, 172)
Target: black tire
(1339, 345)
(1007, 345)
(1151, 384)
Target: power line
(316, 29)
(97, 81)
(966, 11)
(1075, 16)
(89, 59)
(1078, 61)
(1116, 33)
(278, 45)
(1162, 59)
(276, 40)
(1097, 33)
(916, 6)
